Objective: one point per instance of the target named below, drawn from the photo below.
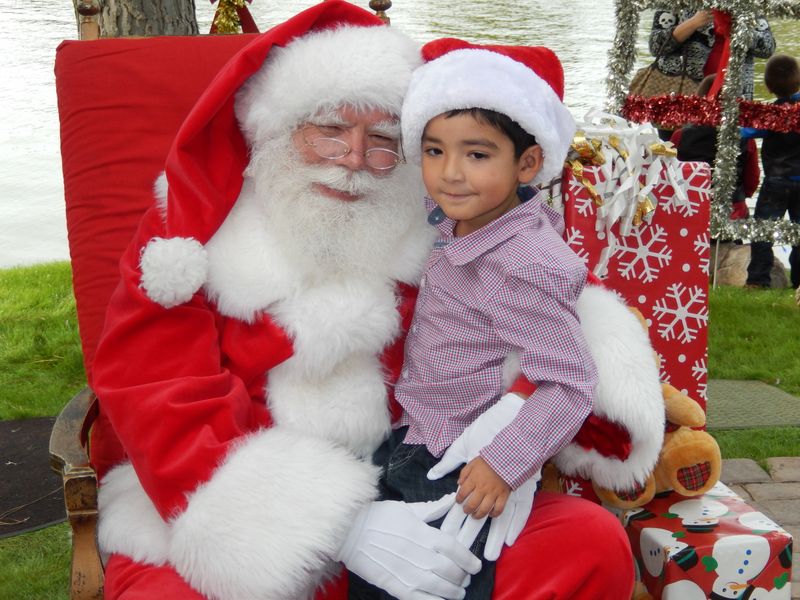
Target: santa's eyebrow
(328, 117)
(388, 128)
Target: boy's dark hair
(705, 85)
(521, 139)
(782, 75)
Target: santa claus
(246, 366)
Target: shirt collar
(461, 250)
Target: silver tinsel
(621, 58)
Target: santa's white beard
(328, 237)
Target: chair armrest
(69, 457)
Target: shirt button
(422, 282)
(404, 372)
(414, 328)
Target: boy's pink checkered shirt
(508, 289)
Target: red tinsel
(676, 111)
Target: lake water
(32, 223)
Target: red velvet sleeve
(159, 376)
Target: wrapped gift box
(711, 546)
(658, 261)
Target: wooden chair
(120, 103)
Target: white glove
(392, 546)
(504, 529)
(480, 433)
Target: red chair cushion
(120, 103)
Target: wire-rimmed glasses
(331, 148)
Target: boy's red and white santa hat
(525, 83)
(330, 55)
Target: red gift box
(660, 265)
(711, 546)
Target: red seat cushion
(120, 103)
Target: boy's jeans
(775, 198)
(404, 478)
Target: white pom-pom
(173, 269)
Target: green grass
(39, 345)
(35, 566)
(752, 336)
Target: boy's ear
(530, 163)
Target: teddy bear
(689, 462)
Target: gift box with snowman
(639, 218)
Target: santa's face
(337, 216)
(353, 139)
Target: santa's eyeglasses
(321, 139)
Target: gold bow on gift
(663, 149)
(582, 152)
(643, 208)
(646, 206)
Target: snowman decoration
(720, 490)
(699, 515)
(758, 521)
(657, 547)
(737, 560)
(683, 590)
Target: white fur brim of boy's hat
(481, 77)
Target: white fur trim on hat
(173, 269)
(364, 67)
(475, 78)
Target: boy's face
(470, 170)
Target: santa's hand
(392, 546)
(480, 433)
(503, 529)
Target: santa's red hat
(329, 55)
(525, 83)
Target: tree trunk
(121, 18)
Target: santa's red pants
(570, 548)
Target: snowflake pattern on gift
(643, 253)
(702, 247)
(681, 313)
(670, 203)
(663, 371)
(575, 239)
(700, 372)
(581, 200)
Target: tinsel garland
(621, 58)
(226, 19)
(676, 111)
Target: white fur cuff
(268, 522)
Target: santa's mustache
(341, 179)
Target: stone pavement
(775, 493)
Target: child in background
(699, 143)
(500, 285)
(780, 158)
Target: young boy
(500, 285)
(780, 158)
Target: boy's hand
(481, 491)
